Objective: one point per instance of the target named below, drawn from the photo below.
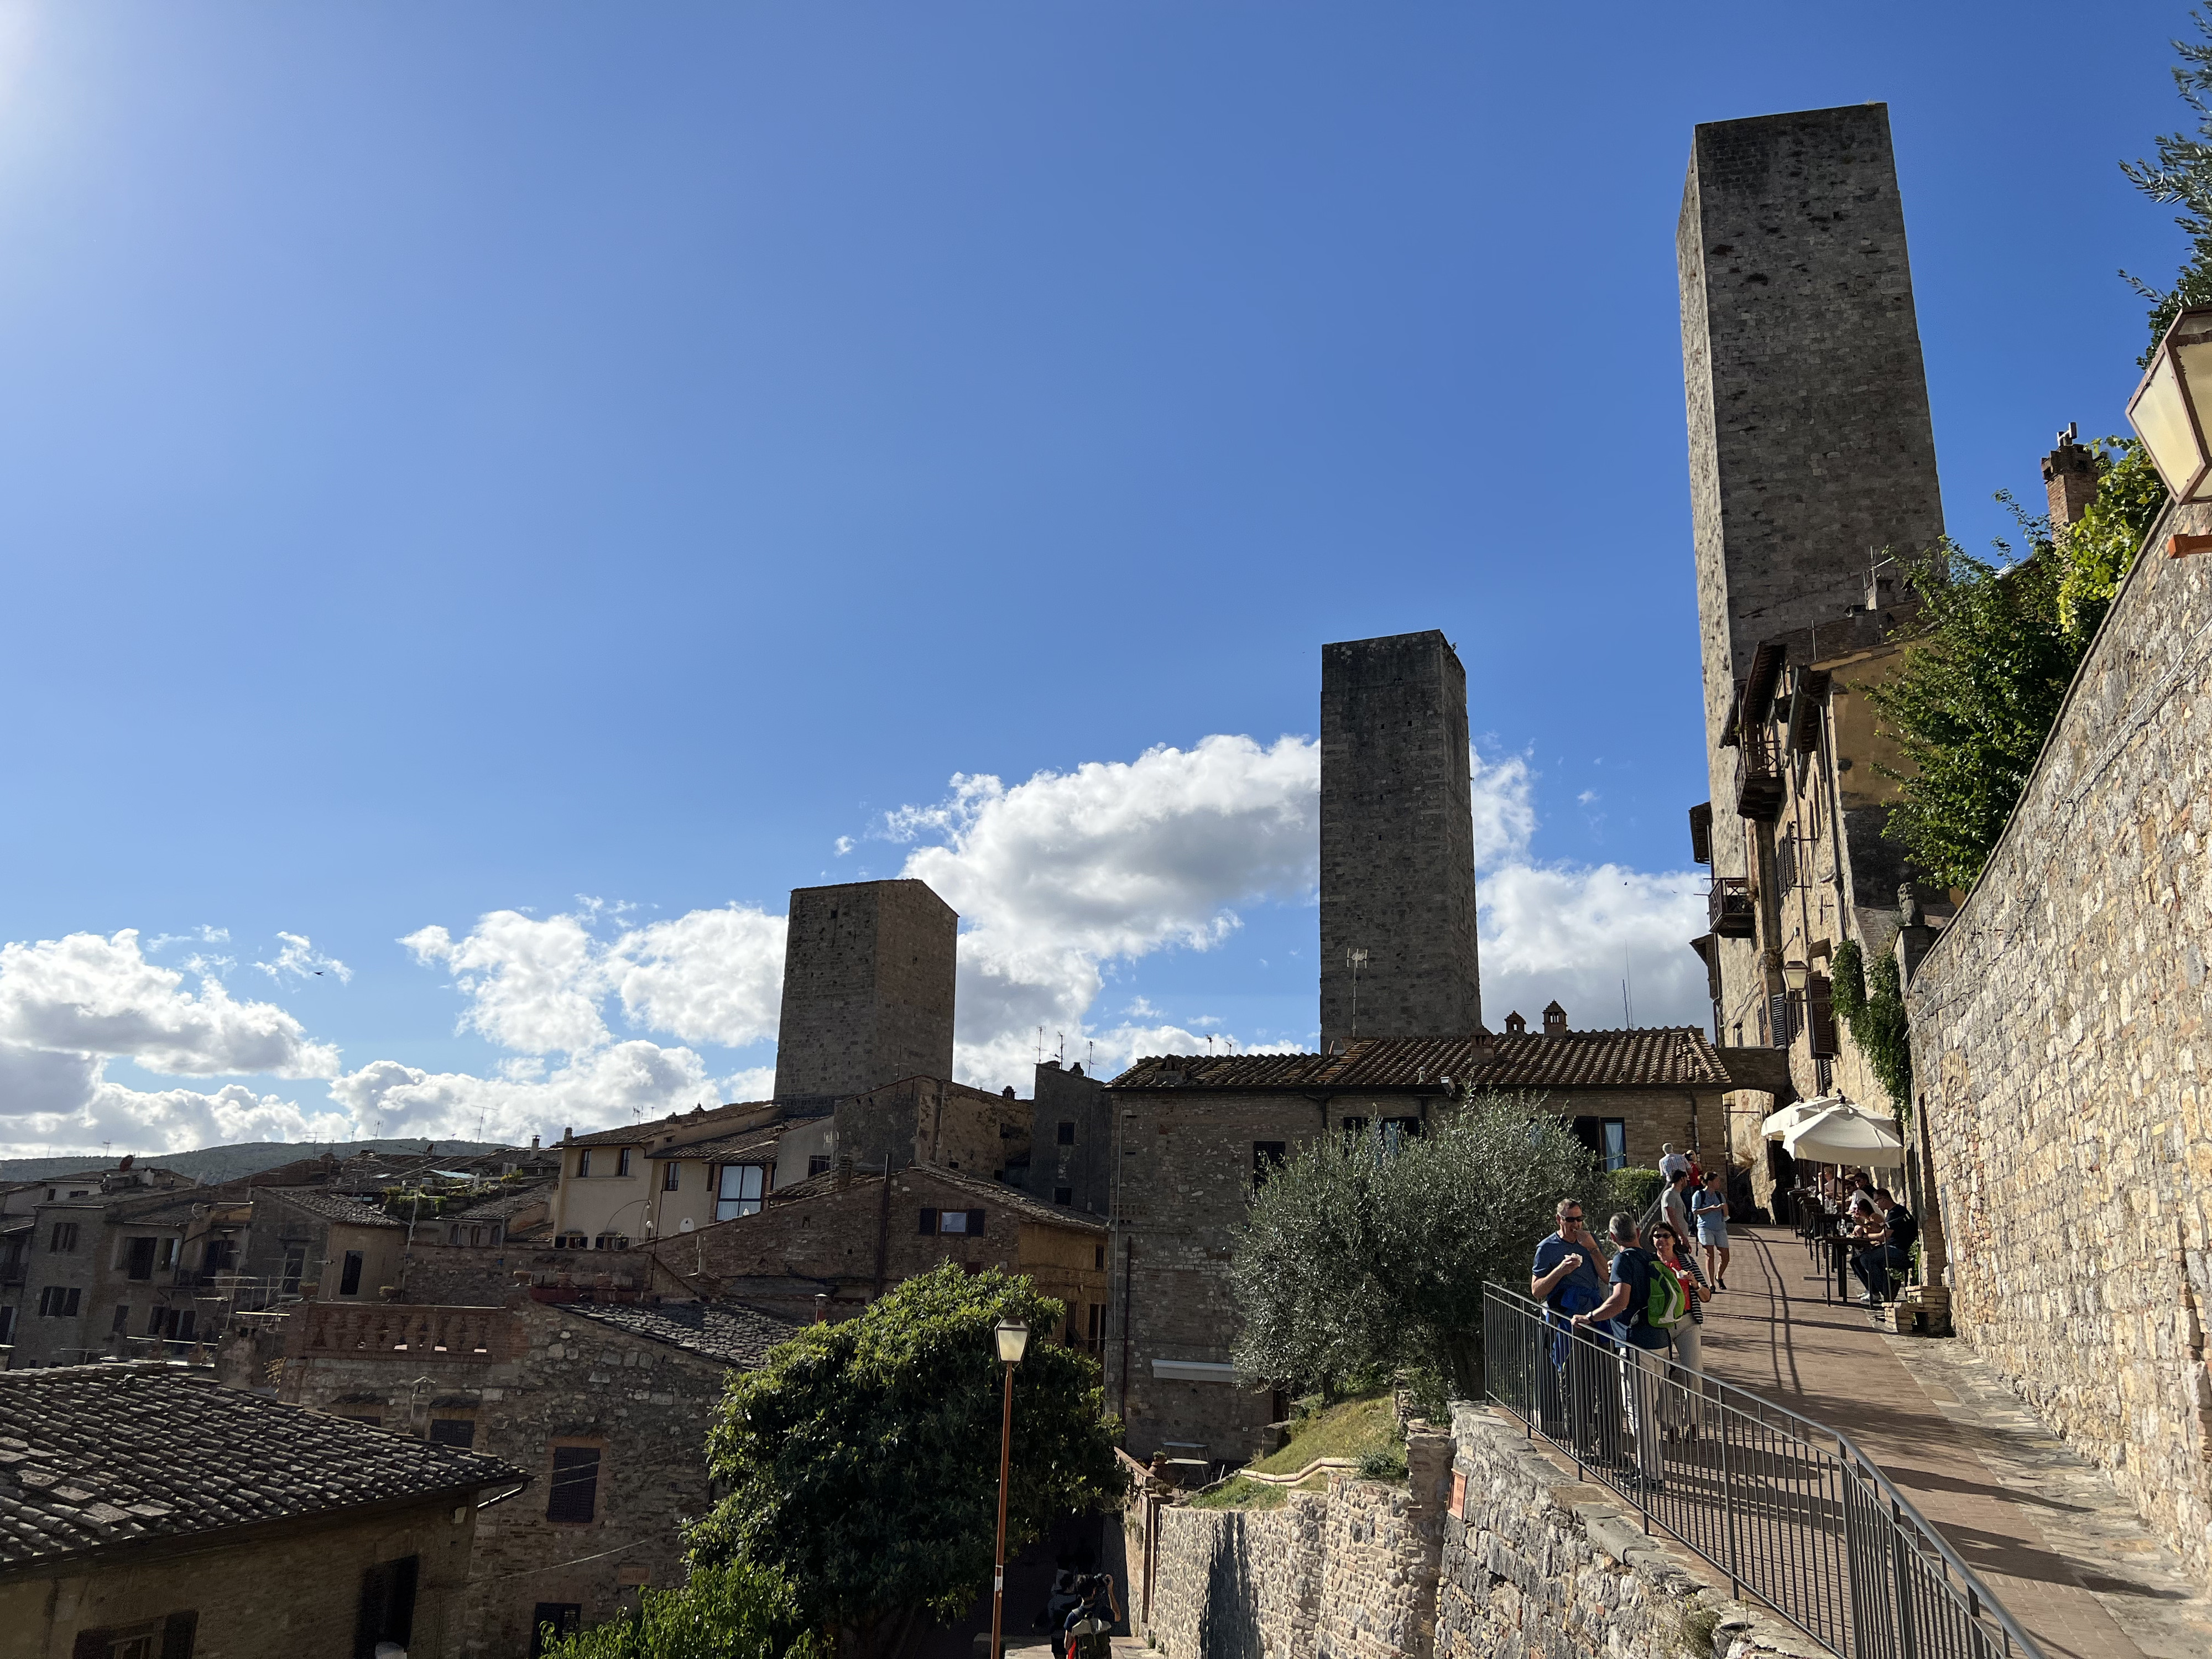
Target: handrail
(1787, 1504)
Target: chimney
(1515, 1025)
(533, 1143)
(568, 1134)
(126, 1161)
(821, 1306)
(1555, 1020)
(2069, 479)
(844, 1171)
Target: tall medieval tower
(1397, 842)
(1811, 449)
(868, 973)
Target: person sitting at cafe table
(1889, 1234)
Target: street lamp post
(1013, 1340)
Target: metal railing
(1796, 1515)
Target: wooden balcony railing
(1759, 786)
(1729, 907)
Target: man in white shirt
(1672, 1165)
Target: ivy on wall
(1872, 1004)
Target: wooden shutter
(929, 1221)
(575, 1490)
(975, 1224)
(179, 1631)
(1820, 1016)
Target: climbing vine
(1872, 1004)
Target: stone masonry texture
(1397, 840)
(2059, 1037)
(867, 990)
(1810, 443)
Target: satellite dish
(686, 1226)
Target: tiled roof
(641, 1134)
(502, 1205)
(93, 1455)
(334, 1206)
(1652, 1057)
(988, 1194)
(724, 1149)
(727, 1332)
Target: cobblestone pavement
(2054, 1543)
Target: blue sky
(457, 460)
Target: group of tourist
(1651, 1301)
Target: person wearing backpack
(1640, 1288)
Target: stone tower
(1397, 840)
(1810, 444)
(868, 972)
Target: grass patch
(1366, 1431)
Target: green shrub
(1632, 1190)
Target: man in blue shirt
(1568, 1278)
(1642, 1346)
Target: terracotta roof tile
(728, 1332)
(1650, 1057)
(332, 1207)
(676, 1123)
(93, 1455)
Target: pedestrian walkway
(2045, 1530)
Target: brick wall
(2058, 1029)
(1397, 840)
(289, 1592)
(868, 989)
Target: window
(611, 1242)
(296, 1264)
(1066, 1133)
(1779, 1021)
(1063, 1194)
(64, 1238)
(622, 1162)
(739, 1191)
(1095, 1329)
(349, 1281)
(220, 1255)
(1608, 1136)
(817, 1163)
(1266, 1158)
(963, 1223)
(120, 1325)
(7, 1326)
(175, 1324)
(156, 1639)
(562, 1618)
(55, 1302)
(453, 1431)
(139, 1258)
(572, 1495)
(1397, 1131)
(952, 1221)
(387, 1607)
(1098, 1257)
(671, 1177)
(584, 1162)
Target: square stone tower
(1397, 840)
(1810, 442)
(868, 972)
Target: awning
(1779, 1124)
(1844, 1134)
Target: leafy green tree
(2182, 176)
(733, 1611)
(862, 1459)
(2097, 552)
(1365, 1256)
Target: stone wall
(2059, 1028)
(1397, 840)
(1536, 1563)
(868, 989)
(1349, 1574)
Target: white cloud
(708, 976)
(300, 958)
(1504, 813)
(620, 1083)
(1574, 932)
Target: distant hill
(212, 1164)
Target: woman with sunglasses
(1679, 1414)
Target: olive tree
(1368, 1254)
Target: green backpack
(1664, 1305)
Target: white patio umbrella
(1844, 1134)
(1779, 1124)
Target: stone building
(1071, 1141)
(605, 1405)
(1398, 953)
(345, 1250)
(847, 1236)
(2059, 1028)
(1198, 1133)
(868, 973)
(150, 1512)
(711, 1161)
(1811, 456)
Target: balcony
(1729, 907)
(1759, 785)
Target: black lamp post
(1013, 1342)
